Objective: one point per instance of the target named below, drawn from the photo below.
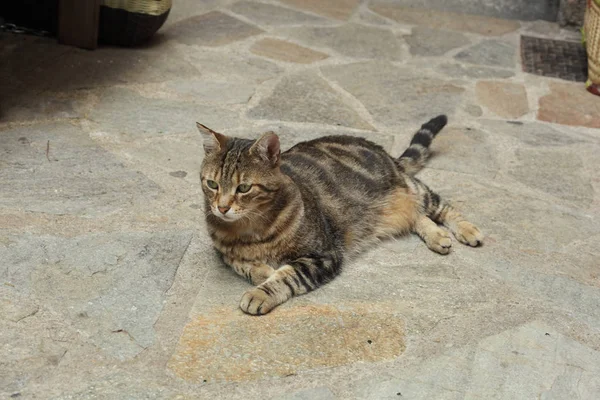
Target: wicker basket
(131, 22)
(592, 38)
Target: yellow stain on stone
(227, 345)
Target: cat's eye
(244, 188)
(212, 184)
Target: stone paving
(109, 287)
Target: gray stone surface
(106, 66)
(558, 172)
(535, 134)
(110, 287)
(462, 71)
(433, 42)
(522, 357)
(544, 28)
(56, 168)
(353, 40)
(466, 150)
(480, 25)
(286, 51)
(213, 92)
(367, 16)
(138, 116)
(493, 53)
(334, 9)
(393, 94)
(232, 67)
(571, 13)
(508, 9)
(307, 98)
(108, 296)
(211, 29)
(41, 107)
(319, 393)
(271, 15)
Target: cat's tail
(414, 158)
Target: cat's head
(240, 177)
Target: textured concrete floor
(109, 288)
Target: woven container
(592, 38)
(131, 22)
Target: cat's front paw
(257, 302)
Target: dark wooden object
(78, 23)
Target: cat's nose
(223, 209)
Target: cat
(287, 221)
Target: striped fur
(313, 206)
(414, 158)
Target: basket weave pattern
(592, 35)
(149, 7)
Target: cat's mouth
(227, 217)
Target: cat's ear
(213, 141)
(267, 148)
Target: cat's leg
(298, 277)
(443, 213)
(434, 237)
(255, 272)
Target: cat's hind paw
(468, 234)
(439, 241)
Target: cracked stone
(444, 20)
(72, 174)
(271, 15)
(27, 353)
(468, 71)
(433, 42)
(353, 40)
(567, 104)
(305, 97)
(494, 53)
(211, 29)
(338, 9)
(286, 51)
(121, 304)
(15, 307)
(508, 100)
(394, 95)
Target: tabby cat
(286, 221)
